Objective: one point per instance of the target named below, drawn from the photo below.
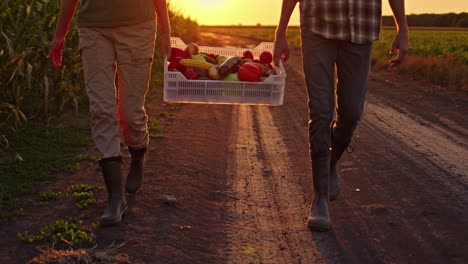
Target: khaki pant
(352, 63)
(125, 52)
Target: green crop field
(430, 43)
(438, 55)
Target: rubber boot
(135, 175)
(319, 219)
(116, 205)
(336, 152)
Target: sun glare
(210, 2)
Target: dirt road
(243, 181)
(405, 186)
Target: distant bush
(432, 20)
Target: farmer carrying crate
(116, 36)
(337, 34)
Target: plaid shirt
(355, 20)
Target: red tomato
(248, 54)
(266, 57)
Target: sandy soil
(243, 181)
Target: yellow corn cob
(198, 57)
(196, 63)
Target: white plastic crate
(179, 89)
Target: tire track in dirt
(271, 206)
(444, 149)
(273, 192)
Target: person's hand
(165, 45)
(281, 50)
(399, 48)
(55, 53)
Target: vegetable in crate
(262, 67)
(175, 64)
(244, 60)
(249, 72)
(191, 49)
(196, 64)
(220, 59)
(232, 77)
(266, 57)
(213, 56)
(198, 57)
(230, 65)
(247, 55)
(176, 52)
(208, 58)
(213, 73)
(201, 72)
(190, 75)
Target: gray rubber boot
(135, 175)
(116, 205)
(319, 219)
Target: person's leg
(98, 56)
(135, 51)
(353, 63)
(319, 65)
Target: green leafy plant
(47, 196)
(84, 194)
(73, 231)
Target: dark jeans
(352, 62)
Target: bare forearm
(163, 18)
(67, 11)
(286, 11)
(398, 8)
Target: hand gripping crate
(179, 89)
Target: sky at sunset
(267, 12)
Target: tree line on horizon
(432, 20)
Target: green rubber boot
(336, 153)
(135, 175)
(116, 205)
(319, 219)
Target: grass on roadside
(40, 153)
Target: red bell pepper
(249, 72)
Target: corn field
(30, 87)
